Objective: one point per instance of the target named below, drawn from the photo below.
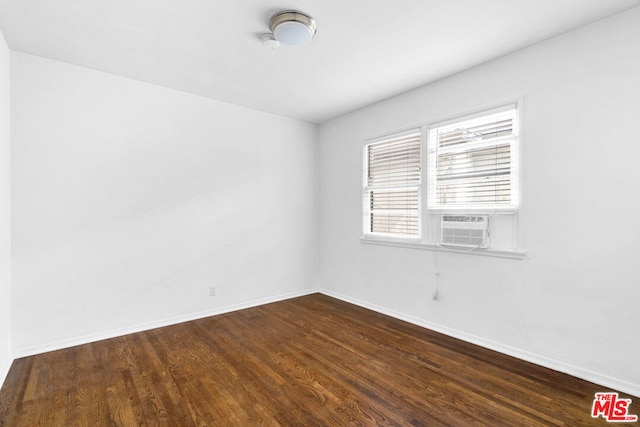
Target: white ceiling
(364, 51)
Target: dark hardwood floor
(306, 361)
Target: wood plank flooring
(307, 361)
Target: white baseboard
(5, 365)
(606, 381)
(594, 377)
(85, 339)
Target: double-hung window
(392, 177)
(470, 180)
(473, 163)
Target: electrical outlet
(212, 291)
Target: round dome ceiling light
(292, 27)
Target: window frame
(367, 189)
(510, 241)
(432, 206)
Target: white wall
(129, 200)
(5, 215)
(574, 302)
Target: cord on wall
(438, 245)
(437, 269)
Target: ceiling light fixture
(290, 27)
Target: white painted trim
(595, 377)
(499, 253)
(86, 339)
(5, 365)
(576, 371)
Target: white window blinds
(473, 161)
(392, 185)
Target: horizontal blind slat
(473, 161)
(483, 132)
(396, 162)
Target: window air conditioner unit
(467, 231)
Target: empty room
(413, 212)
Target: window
(473, 162)
(392, 185)
(471, 175)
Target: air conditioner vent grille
(469, 231)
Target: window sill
(499, 253)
